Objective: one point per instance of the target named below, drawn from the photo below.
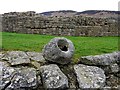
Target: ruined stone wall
(33, 23)
(0, 22)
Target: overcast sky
(53, 5)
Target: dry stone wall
(33, 23)
(33, 72)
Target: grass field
(83, 45)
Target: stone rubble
(36, 56)
(1, 55)
(113, 80)
(53, 77)
(110, 63)
(24, 78)
(1, 73)
(105, 59)
(113, 68)
(17, 57)
(89, 76)
(17, 78)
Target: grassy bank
(83, 45)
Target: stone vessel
(59, 50)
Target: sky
(53, 5)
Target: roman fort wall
(33, 23)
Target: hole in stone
(63, 45)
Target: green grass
(83, 45)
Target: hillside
(99, 13)
(89, 13)
(59, 13)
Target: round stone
(59, 50)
